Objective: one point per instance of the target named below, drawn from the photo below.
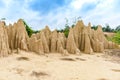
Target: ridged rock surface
(81, 38)
(17, 36)
(70, 45)
(4, 45)
(53, 41)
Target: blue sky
(39, 13)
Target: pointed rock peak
(2, 23)
(89, 27)
(47, 31)
(99, 28)
(47, 28)
(20, 20)
(70, 45)
(89, 24)
(80, 22)
(79, 26)
(55, 31)
(54, 34)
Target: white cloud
(77, 4)
(13, 10)
(103, 13)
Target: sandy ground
(30, 66)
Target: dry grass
(67, 59)
(38, 74)
(23, 58)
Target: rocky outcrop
(87, 44)
(44, 42)
(61, 41)
(70, 44)
(17, 36)
(35, 45)
(77, 31)
(4, 44)
(61, 44)
(38, 43)
(47, 33)
(53, 41)
(81, 38)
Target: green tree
(94, 27)
(117, 28)
(108, 29)
(66, 29)
(28, 29)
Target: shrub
(116, 38)
(28, 29)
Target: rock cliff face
(17, 36)
(4, 45)
(70, 45)
(81, 38)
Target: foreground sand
(30, 66)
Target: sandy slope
(54, 67)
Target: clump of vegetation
(116, 38)
(94, 27)
(65, 30)
(107, 28)
(29, 30)
(117, 28)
